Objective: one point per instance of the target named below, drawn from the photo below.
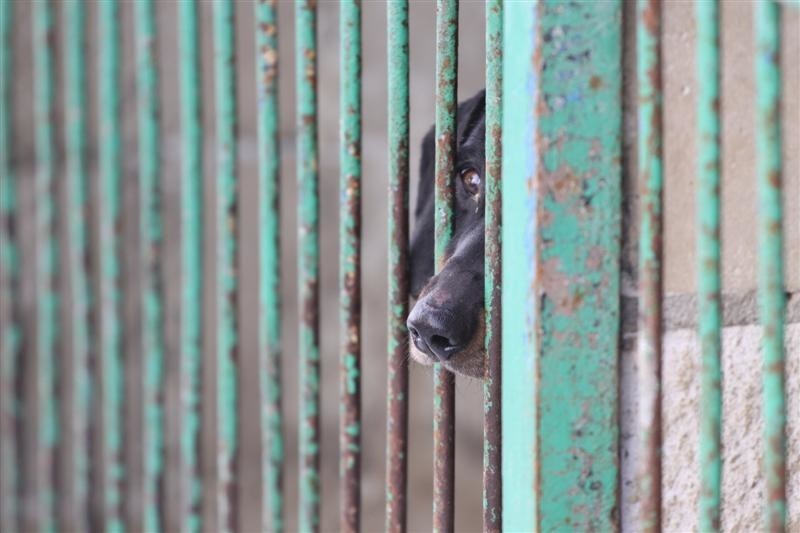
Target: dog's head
(446, 324)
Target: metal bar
(10, 331)
(443, 380)
(520, 94)
(107, 469)
(150, 298)
(189, 487)
(40, 415)
(648, 362)
(350, 266)
(397, 345)
(225, 285)
(308, 261)
(578, 181)
(492, 423)
(772, 299)
(708, 266)
(269, 223)
(74, 403)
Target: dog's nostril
(442, 343)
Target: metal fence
(94, 411)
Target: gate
(125, 354)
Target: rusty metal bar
(444, 380)
(708, 264)
(350, 265)
(188, 488)
(269, 223)
(227, 270)
(397, 348)
(39, 414)
(308, 261)
(578, 123)
(492, 423)
(648, 362)
(107, 379)
(10, 331)
(145, 395)
(72, 468)
(771, 285)
(520, 94)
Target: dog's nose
(435, 332)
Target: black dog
(447, 324)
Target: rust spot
(595, 82)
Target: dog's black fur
(446, 324)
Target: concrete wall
(742, 426)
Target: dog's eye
(472, 181)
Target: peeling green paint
(708, 263)
(270, 348)
(308, 261)
(771, 284)
(226, 284)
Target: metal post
(492, 428)
(226, 284)
(74, 403)
(270, 350)
(772, 299)
(308, 261)
(397, 348)
(188, 486)
(108, 379)
(648, 48)
(350, 266)
(708, 265)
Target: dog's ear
(422, 238)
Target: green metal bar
(40, 413)
(10, 331)
(73, 453)
(225, 285)
(308, 260)
(191, 264)
(350, 266)
(772, 299)
(108, 381)
(444, 413)
(492, 423)
(648, 360)
(150, 300)
(578, 182)
(397, 345)
(269, 223)
(519, 411)
(708, 266)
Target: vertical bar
(578, 182)
(191, 201)
(227, 223)
(444, 380)
(648, 50)
(107, 423)
(74, 405)
(397, 346)
(39, 415)
(519, 410)
(772, 300)
(269, 223)
(350, 265)
(708, 266)
(492, 423)
(10, 333)
(148, 392)
(308, 260)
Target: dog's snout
(437, 332)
